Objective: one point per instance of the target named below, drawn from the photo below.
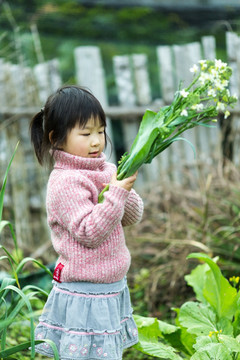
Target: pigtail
(37, 134)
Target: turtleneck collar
(64, 160)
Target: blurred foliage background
(117, 30)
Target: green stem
(100, 196)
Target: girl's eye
(85, 134)
(101, 132)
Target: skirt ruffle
(87, 321)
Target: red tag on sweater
(57, 272)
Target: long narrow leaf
(28, 304)
(4, 223)
(4, 332)
(29, 259)
(11, 260)
(8, 254)
(5, 282)
(33, 287)
(15, 349)
(5, 181)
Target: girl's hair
(68, 106)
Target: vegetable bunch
(198, 104)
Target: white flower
(184, 113)
(225, 83)
(214, 73)
(235, 97)
(219, 85)
(212, 92)
(226, 114)
(184, 93)
(220, 106)
(219, 64)
(194, 69)
(197, 107)
(203, 64)
(205, 78)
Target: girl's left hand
(126, 184)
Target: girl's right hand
(126, 184)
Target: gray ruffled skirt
(87, 321)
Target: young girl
(88, 314)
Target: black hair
(68, 106)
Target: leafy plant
(16, 302)
(197, 105)
(208, 328)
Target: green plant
(208, 328)
(16, 303)
(197, 105)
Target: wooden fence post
(18, 178)
(42, 78)
(141, 79)
(55, 79)
(185, 56)
(48, 78)
(127, 98)
(209, 47)
(126, 95)
(166, 73)
(90, 74)
(3, 97)
(233, 56)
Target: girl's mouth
(94, 154)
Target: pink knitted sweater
(87, 236)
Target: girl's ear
(50, 136)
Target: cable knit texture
(88, 236)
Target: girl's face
(88, 141)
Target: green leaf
(159, 327)
(187, 141)
(150, 329)
(225, 325)
(147, 134)
(4, 332)
(158, 350)
(4, 223)
(28, 304)
(203, 341)
(15, 349)
(5, 182)
(9, 256)
(11, 260)
(27, 259)
(231, 343)
(212, 352)
(236, 323)
(198, 318)
(196, 279)
(217, 290)
(187, 340)
(179, 120)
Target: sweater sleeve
(70, 206)
(133, 210)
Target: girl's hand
(126, 184)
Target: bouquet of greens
(198, 104)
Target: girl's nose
(95, 140)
